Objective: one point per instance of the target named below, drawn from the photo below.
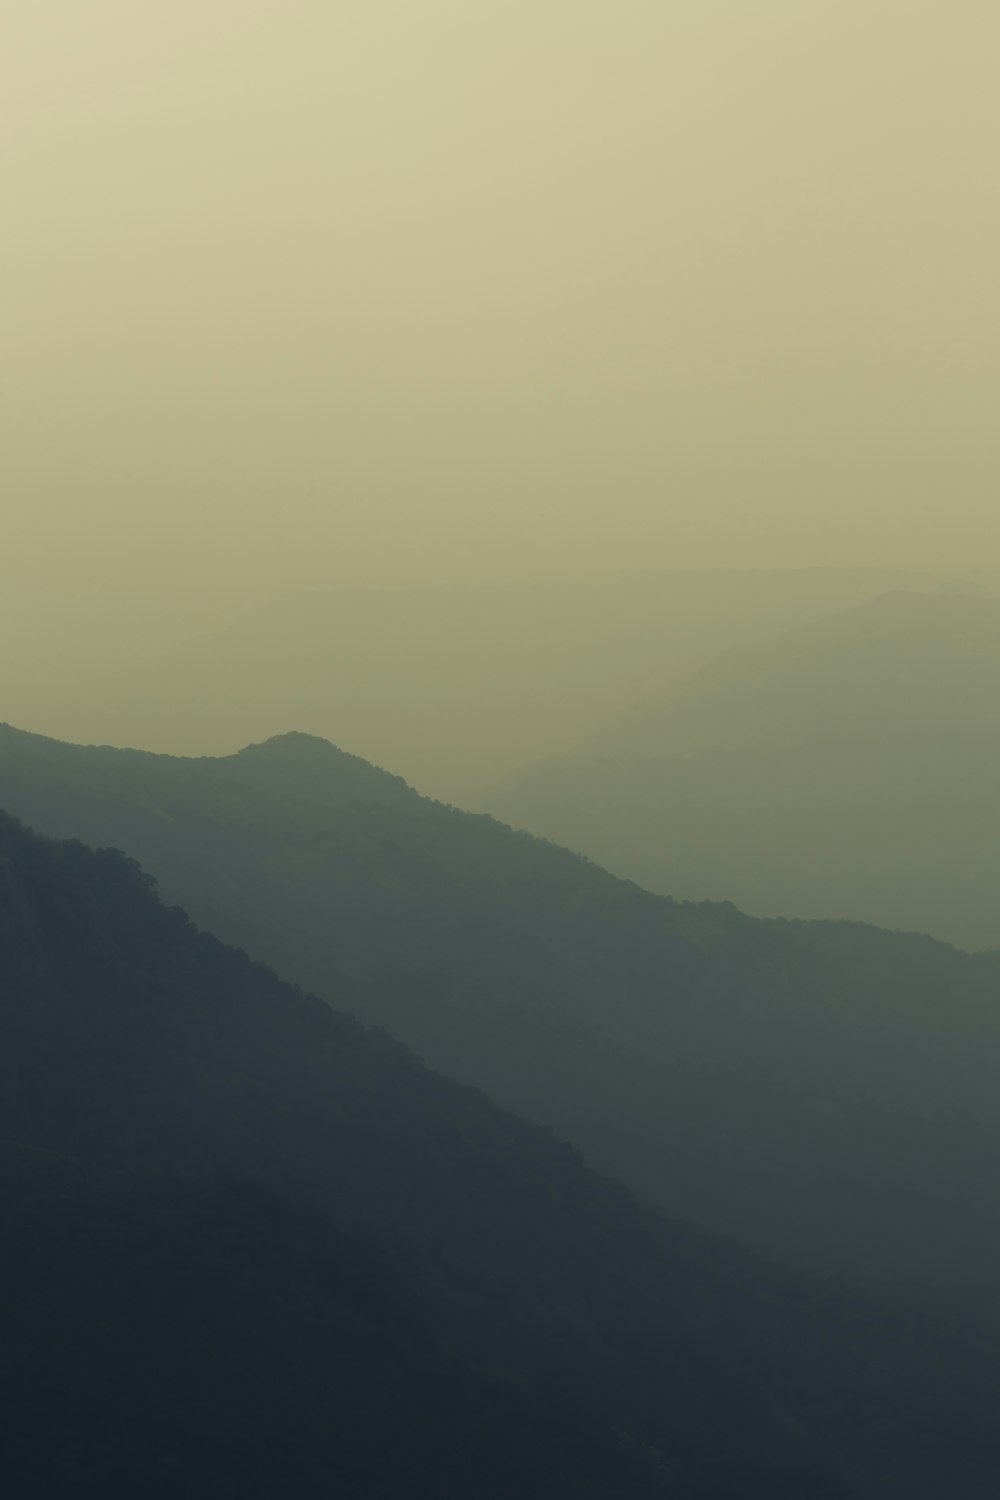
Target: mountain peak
(295, 742)
(311, 754)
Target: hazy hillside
(453, 683)
(826, 1092)
(850, 768)
(639, 1357)
(193, 1328)
(585, 414)
(166, 1336)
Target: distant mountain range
(847, 768)
(187, 1142)
(454, 685)
(825, 1092)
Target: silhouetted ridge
(307, 754)
(826, 1092)
(295, 742)
(455, 684)
(641, 1358)
(296, 748)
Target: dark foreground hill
(166, 1337)
(823, 1091)
(164, 1328)
(849, 768)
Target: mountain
(454, 684)
(825, 1092)
(850, 768)
(167, 1336)
(166, 1318)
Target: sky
(358, 284)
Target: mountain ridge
(163, 1051)
(757, 1078)
(847, 769)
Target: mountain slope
(133, 1043)
(824, 1092)
(164, 1336)
(454, 684)
(849, 768)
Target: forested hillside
(822, 1091)
(167, 1336)
(630, 1356)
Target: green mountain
(163, 1327)
(825, 1092)
(850, 768)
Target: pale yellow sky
(696, 282)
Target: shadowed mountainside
(645, 1359)
(167, 1336)
(824, 1091)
